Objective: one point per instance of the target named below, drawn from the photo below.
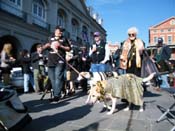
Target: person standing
(99, 53)
(7, 60)
(131, 55)
(71, 75)
(56, 62)
(115, 60)
(26, 63)
(37, 61)
(162, 56)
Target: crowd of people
(131, 57)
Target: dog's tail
(149, 77)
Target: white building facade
(24, 23)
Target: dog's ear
(98, 89)
(99, 86)
(129, 76)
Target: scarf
(125, 51)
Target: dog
(88, 79)
(127, 86)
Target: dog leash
(70, 65)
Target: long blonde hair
(7, 48)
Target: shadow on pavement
(47, 122)
(129, 124)
(150, 94)
(40, 105)
(91, 127)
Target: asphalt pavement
(72, 114)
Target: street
(72, 114)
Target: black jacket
(35, 60)
(53, 58)
(99, 54)
(26, 62)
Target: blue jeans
(28, 78)
(165, 83)
(36, 79)
(56, 76)
(98, 68)
(121, 71)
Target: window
(13, 7)
(61, 20)
(155, 39)
(169, 39)
(39, 13)
(16, 2)
(85, 34)
(169, 30)
(75, 28)
(13, 1)
(38, 9)
(172, 22)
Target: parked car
(17, 78)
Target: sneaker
(40, 93)
(63, 95)
(71, 93)
(157, 89)
(55, 99)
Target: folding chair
(173, 129)
(168, 112)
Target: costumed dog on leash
(127, 86)
(94, 77)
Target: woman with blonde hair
(6, 61)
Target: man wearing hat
(99, 54)
(163, 51)
(163, 54)
(56, 62)
(162, 57)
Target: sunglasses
(130, 35)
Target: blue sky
(119, 15)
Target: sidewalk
(71, 114)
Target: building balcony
(13, 10)
(39, 22)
